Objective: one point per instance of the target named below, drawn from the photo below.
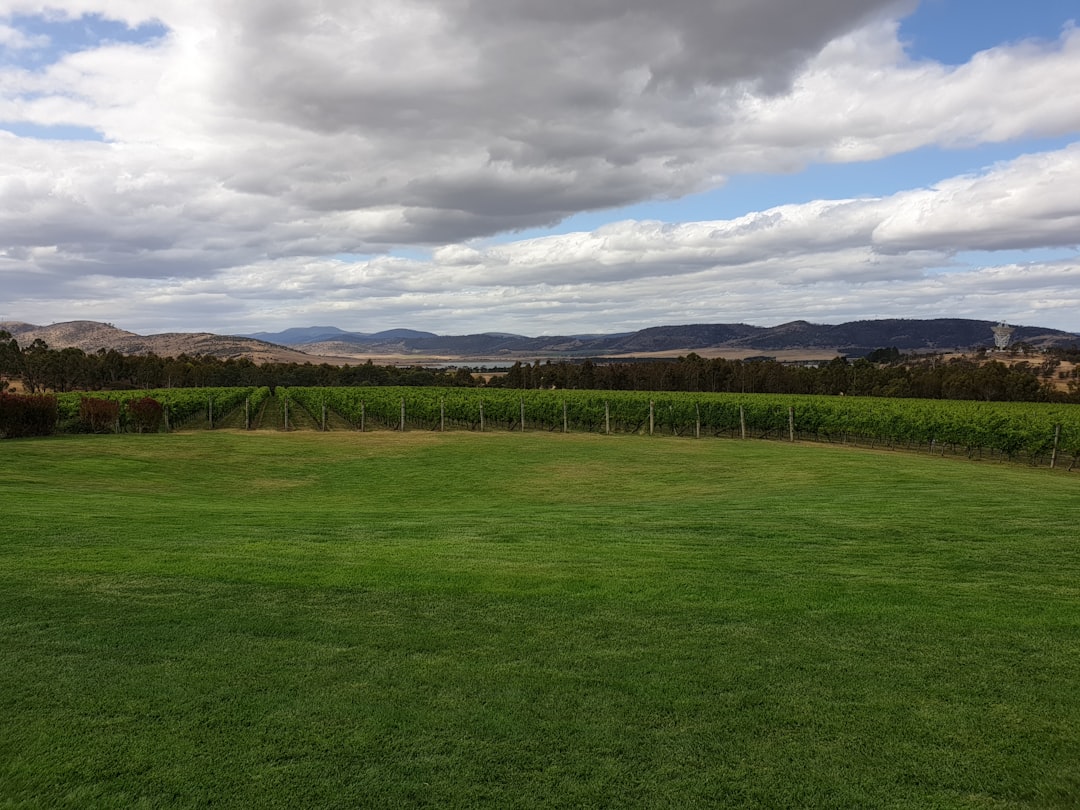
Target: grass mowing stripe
(518, 621)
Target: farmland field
(262, 619)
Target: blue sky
(952, 31)
(491, 168)
(68, 35)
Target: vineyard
(182, 407)
(1040, 433)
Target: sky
(554, 167)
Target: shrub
(27, 415)
(145, 414)
(99, 415)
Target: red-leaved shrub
(99, 415)
(27, 415)
(145, 414)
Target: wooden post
(607, 417)
(564, 426)
(166, 411)
(697, 423)
(481, 416)
(210, 411)
(652, 415)
(1057, 438)
(324, 417)
(362, 415)
(403, 414)
(791, 422)
(742, 422)
(247, 413)
(442, 414)
(286, 401)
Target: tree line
(883, 373)
(41, 368)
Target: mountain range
(854, 338)
(331, 344)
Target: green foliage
(889, 355)
(182, 405)
(879, 374)
(1009, 428)
(1004, 427)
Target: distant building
(1002, 335)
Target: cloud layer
(253, 148)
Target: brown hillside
(90, 336)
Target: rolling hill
(331, 344)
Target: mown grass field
(532, 620)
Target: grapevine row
(183, 405)
(1011, 428)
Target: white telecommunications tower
(1002, 335)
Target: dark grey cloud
(453, 106)
(682, 43)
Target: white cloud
(257, 140)
(826, 260)
(1028, 203)
(13, 39)
(862, 99)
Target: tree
(10, 357)
(35, 360)
(884, 356)
(515, 377)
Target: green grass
(463, 620)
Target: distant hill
(299, 334)
(330, 344)
(319, 334)
(855, 339)
(90, 336)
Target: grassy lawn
(538, 620)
